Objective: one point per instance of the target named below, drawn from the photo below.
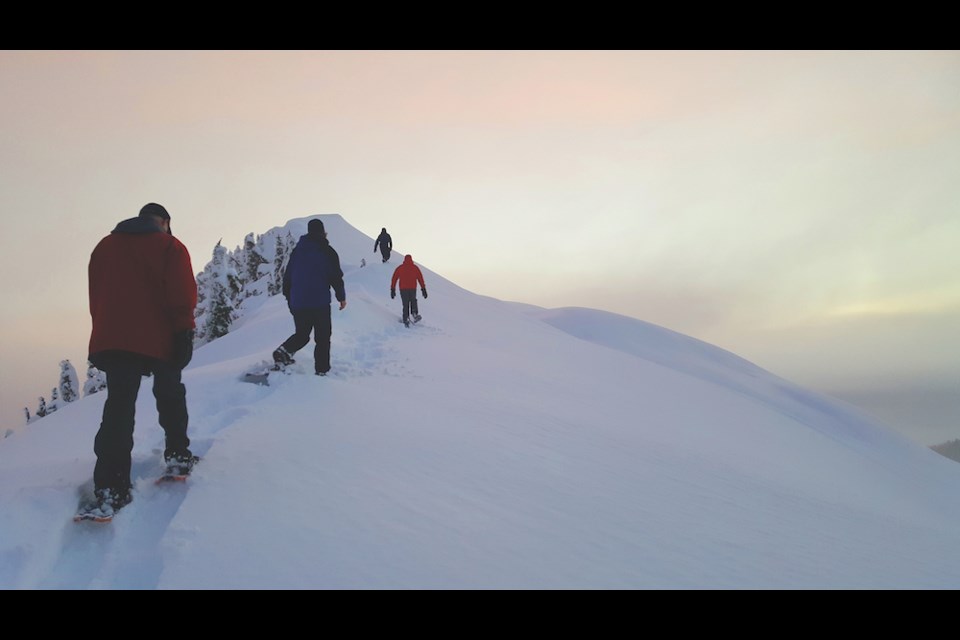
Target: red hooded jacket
(142, 290)
(408, 274)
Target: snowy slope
(493, 445)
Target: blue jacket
(313, 268)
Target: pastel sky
(801, 209)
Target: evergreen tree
(27, 411)
(220, 316)
(69, 383)
(279, 260)
(96, 380)
(253, 258)
(291, 243)
(199, 313)
(265, 252)
(233, 277)
(284, 247)
(236, 263)
(41, 408)
(54, 401)
(221, 291)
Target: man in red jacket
(142, 297)
(409, 275)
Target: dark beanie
(315, 227)
(154, 209)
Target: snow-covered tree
(221, 290)
(232, 281)
(251, 265)
(235, 263)
(96, 380)
(54, 401)
(283, 248)
(291, 243)
(252, 259)
(69, 383)
(220, 315)
(41, 408)
(279, 256)
(27, 411)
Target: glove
(424, 292)
(182, 348)
(393, 293)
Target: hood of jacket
(318, 238)
(137, 225)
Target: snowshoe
(261, 373)
(282, 357)
(103, 506)
(178, 468)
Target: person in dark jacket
(142, 298)
(314, 268)
(385, 242)
(408, 275)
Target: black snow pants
(318, 321)
(114, 440)
(409, 298)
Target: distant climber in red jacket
(142, 298)
(409, 275)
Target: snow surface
(494, 445)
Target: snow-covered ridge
(492, 445)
